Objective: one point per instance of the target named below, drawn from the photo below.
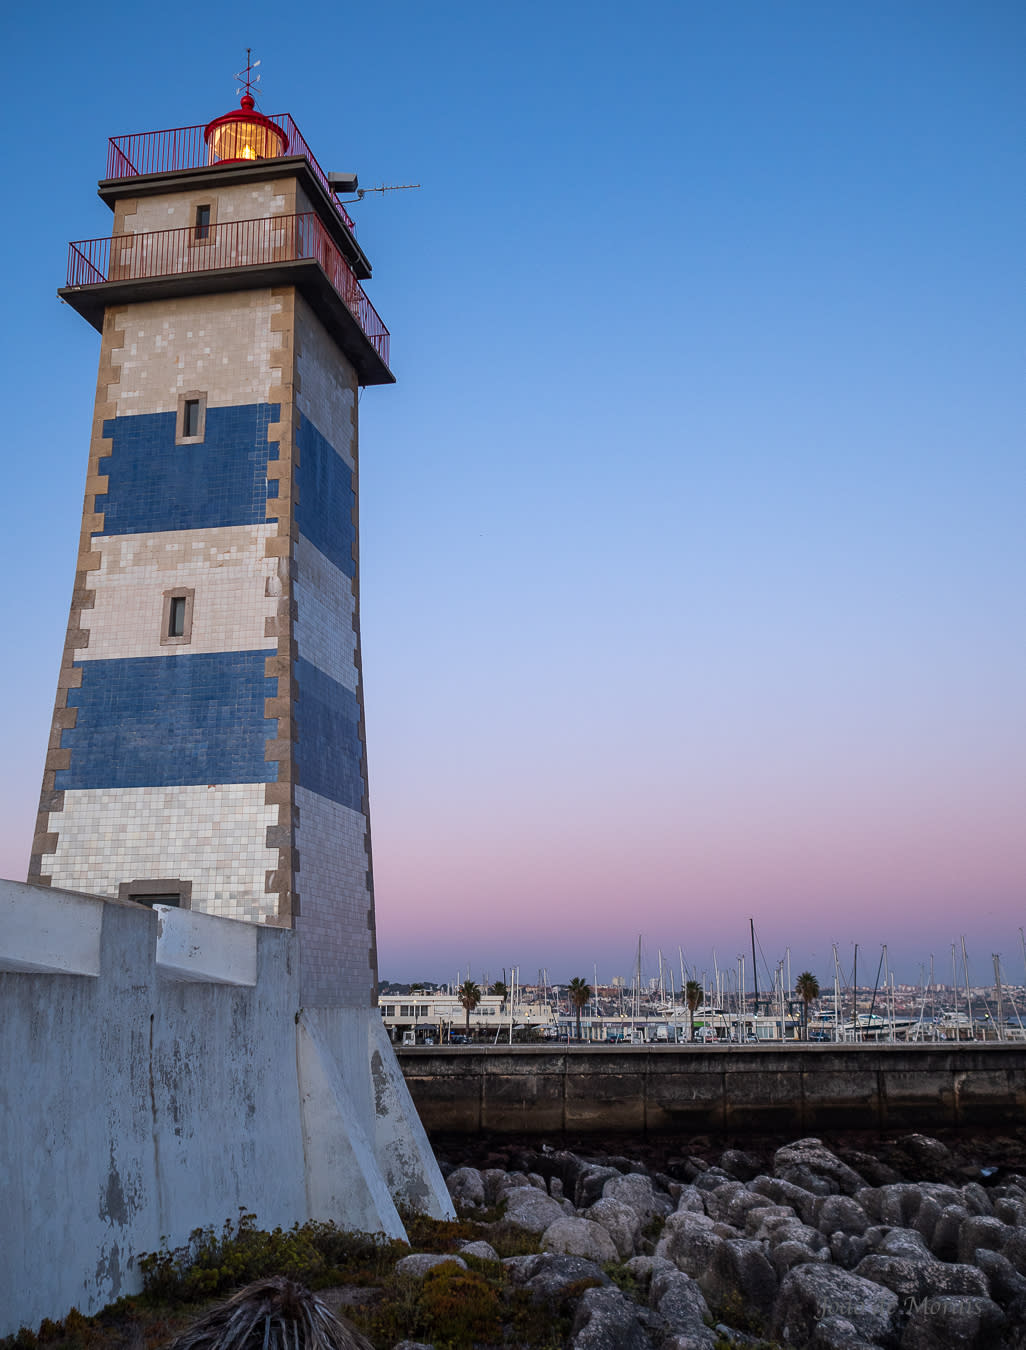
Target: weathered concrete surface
(668, 1089)
(171, 1080)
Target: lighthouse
(187, 984)
(208, 749)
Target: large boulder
(793, 1230)
(976, 1199)
(927, 1218)
(906, 1243)
(944, 1242)
(979, 1230)
(496, 1184)
(954, 1321)
(551, 1278)
(785, 1255)
(731, 1203)
(589, 1184)
(921, 1279)
(782, 1192)
(1015, 1248)
(810, 1164)
(531, 1209)
(1010, 1210)
(761, 1223)
(620, 1221)
(811, 1293)
(415, 1267)
(689, 1241)
(736, 1163)
(1007, 1286)
(711, 1178)
(483, 1251)
(837, 1333)
(874, 1169)
(580, 1237)
(467, 1188)
(895, 1206)
(927, 1157)
(680, 1303)
(638, 1192)
(841, 1214)
(691, 1198)
(847, 1249)
(607, 1320)
(739, 1270)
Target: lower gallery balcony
(238, 255)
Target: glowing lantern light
(244, 135)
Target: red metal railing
(237, 243)
(185, 148)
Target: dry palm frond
(271, 1314)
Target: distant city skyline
(692, 542)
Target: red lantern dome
(244, 135)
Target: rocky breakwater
(806, 1247)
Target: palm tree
(806, 986)
(470, 996)
(579, 993)
(693, 998)
(501, 989)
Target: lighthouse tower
(208, 747)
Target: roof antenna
(387, 187)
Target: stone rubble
(812, 1250)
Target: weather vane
(247, 80)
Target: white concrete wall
(175, 1085)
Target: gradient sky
(693, 548)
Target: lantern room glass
(243, 138)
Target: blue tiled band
(155, 485)
(328, 745)
(168, 721)
(326, 498)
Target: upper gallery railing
(236, 243)
(186, 148)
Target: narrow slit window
(202, 222)
(176, 617)
(191, 417)
(176, 625)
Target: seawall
(694, 1089)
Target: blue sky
(693, 555)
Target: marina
(684, 1005)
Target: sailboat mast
(968, 995)
(997, 990)
(755, 968)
